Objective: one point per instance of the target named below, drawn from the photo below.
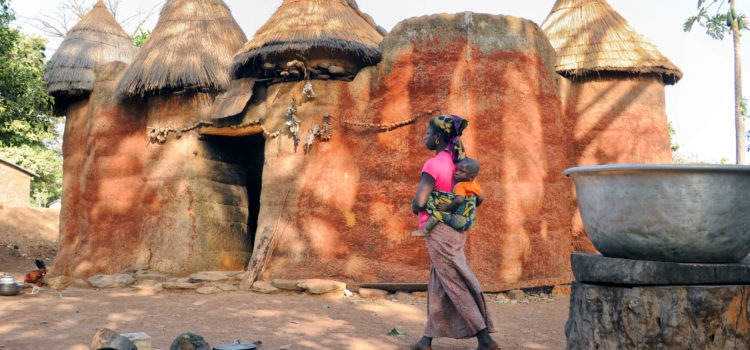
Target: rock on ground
(319, 286)
(264, 287)
(111, 281)
(189, 341)
(107, 338)
(372, 293)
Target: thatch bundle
(299, 26)
(591, 38)
(189, 49)
(96, 40)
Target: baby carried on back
(456, 209)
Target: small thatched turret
(95, 41)
(311, 38)
(190, 49)
(592, 38)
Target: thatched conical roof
(591, 37)
(301, 25)
(189, 49)
(96, 40)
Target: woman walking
(455, 304)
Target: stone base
(669, 317)
(594, 268)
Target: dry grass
(300, 25)
(591, 37)
(189, 49)
(96, 40)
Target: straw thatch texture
(96, 40)
(189, 49)
(301, 25)
(591, 37)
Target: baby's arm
(480, 199)
(458, 200)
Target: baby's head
(466, 170)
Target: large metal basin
(678, 213)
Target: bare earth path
(46, 321)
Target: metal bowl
(7, 279)
(677, 213)
(10, 289)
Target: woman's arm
(423, 193)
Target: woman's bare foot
(423, 344)
(492, 346)
(420, 233)
(485, 341)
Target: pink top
(441, 168)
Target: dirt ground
(47, 321)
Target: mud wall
(102, 177)
(347, 213)
(194, 199)
(618, 119)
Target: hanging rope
(390, 126)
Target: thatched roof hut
(590, 37)
(96, 40)
(300, 27)
(189, 49)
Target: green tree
(28, 134)
(717, 24)
(140, 38)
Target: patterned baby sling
(461, 219)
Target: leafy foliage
(672, 133)
(718, 24)
(28, 135)
(140, 38)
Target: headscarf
(453, 126)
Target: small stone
(285, 347)
(227, 287)
(287, 285)
(561, 291)
(502, 298)
(180, 285)
(212, 276)
(189, 341)
(148, 286)
(516, 294)
(264, 287)
(141, 340)
(149, 277)
(208, 290)
(111, 281)
(419, 294)
(372, 293)
(404, 297)
(107, 338)
(319, 286)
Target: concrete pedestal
(609, 315)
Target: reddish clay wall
(102, 177)
(194, 203)
(348, 214)
(618, 119)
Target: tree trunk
(739, 120)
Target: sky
(700, 106)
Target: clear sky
(700, 106)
